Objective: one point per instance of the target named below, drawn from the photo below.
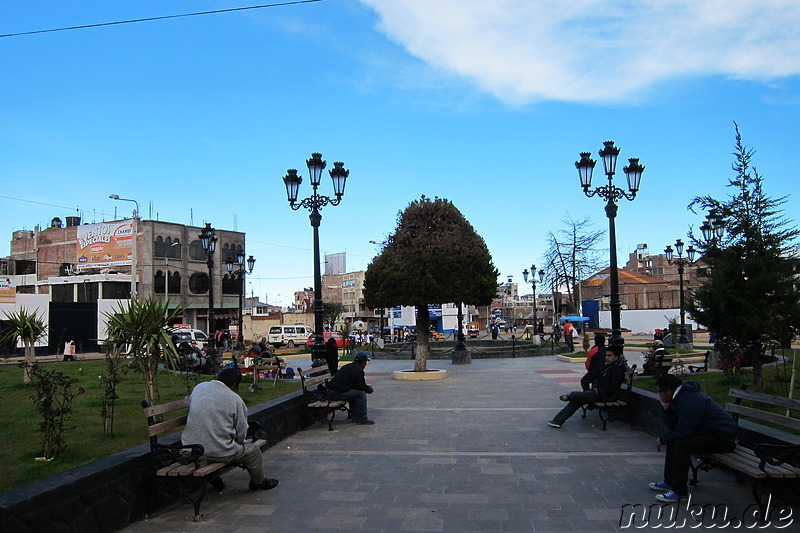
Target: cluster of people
(203, 360)
(694, 422)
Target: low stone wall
(110, 493)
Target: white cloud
(524, 51)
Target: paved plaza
(469, 453)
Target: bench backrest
(781, 420)
(156, 426)
(313, 376)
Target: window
(174, 283)
(230, 284)
(196, 251)
(167, 247)
(198, 283)
(159, 283)
(116, 290)
(25, 267)
(63, 293)
(88, 292)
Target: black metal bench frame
(319, 401)
(179, 470)
(610, 410)
(765, 462)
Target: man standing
(595, 361)
(605, 387)
(350, 384)
(218, 421)
(569, 331)
(695, 424)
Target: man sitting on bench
(218, 421)
(695, 424)
(604, 388)
(349, 384)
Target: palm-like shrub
(29, 328)
(142, 328)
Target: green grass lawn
(717, 385)
(21, 441)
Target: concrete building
(86, 271)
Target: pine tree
(749, 297)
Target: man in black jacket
(595, 361)
(350, 384)
(695, 424)
(604, 387)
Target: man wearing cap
(349, 384)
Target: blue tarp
(574, 318)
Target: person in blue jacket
(694, 424)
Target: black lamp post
(208, 239)
(611, 194)
(314, 203)
(533, 284)
(240, 274)
(681, 262)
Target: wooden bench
(319, 403)
(271, 365)
(663, 363)
(180, 470)
(766, 461)
(609, 411)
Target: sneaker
(267, 484)
(661, 486)
(671, 497)
(564, 397)
(553, 424)
(365, 422)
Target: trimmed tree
(434, 256)
(749, 297)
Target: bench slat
(160, 409)
(327, 403)
(765, 416)
(208, 469)
(165, 426)
(766, 398)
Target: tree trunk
(30, 360)
(757, 354)
(423, 335)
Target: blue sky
(486, 103)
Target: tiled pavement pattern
(469, 453)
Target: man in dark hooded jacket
(694, 424)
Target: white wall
(38, 303)
(106, 307)
(645, 320)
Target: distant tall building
(336, 263)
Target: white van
(189, 335)
(290, 336)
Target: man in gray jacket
(218, 421)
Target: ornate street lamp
(713, 228)
(314, 203)
(681, 262)
(533, 284)
(240, 274)
(611, 194)
(208, 239)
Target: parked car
(341, 342)
(188, 335)
(287, 335)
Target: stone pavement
(469, 453)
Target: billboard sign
(103, 245)
(8, 293)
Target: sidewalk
(469, 453)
